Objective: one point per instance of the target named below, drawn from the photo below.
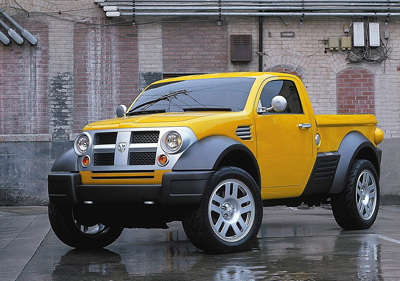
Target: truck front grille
(125, 148)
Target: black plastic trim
(349, 148)
(62, 188)
(207, 153)
(178, 188)
(66, 162)
(322, 175)
(184, 187)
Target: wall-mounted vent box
(358, 34)
(241, 48)
(374, 37)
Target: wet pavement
(293, 244)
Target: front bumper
(177, 188)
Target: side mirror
(278, 104)
(121, 110)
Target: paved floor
(293, 244)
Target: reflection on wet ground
(292, 245)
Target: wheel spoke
(215, 208)
(224, 229)
(359, 192)
(371, 188)
(236, 229)
(235, 187)
(361, 208)
(218, 199)
(244, 199)
(246, 209)
(372, 194)
(218, 224)
(242, 223)
(364, 179)
(368, 209)
(227, 190)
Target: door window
(284, 88)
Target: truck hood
(151, 120)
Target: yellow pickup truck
(210, 151)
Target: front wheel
(356, 207)
(74, 233)
(230, 214)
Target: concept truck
(211, 151)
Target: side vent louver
(244, 132)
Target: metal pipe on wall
(11, 32)
(25, 33)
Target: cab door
(284, 141)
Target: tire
(356, 207)
(76, 234)
(229, 216)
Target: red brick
(355, 91)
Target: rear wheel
(230, 214)
(75, 233)
(356, 207)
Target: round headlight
(173, 141)
(82, 143)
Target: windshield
(214, 94)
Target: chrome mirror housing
(278, 104)
(121, 110)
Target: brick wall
(355, 92)
(190, 47)
(286, 70)
(105, 70)
(23, 83)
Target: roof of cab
(224, 75)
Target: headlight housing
(172, 142)
(82, 144)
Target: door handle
(304, 126)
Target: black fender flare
(349, 149)
(207, 154)
(66, 162)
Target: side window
(284, 88)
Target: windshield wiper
(153, 101)
(208, 108)
(154, 111)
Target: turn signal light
(85, 161)
(162, 160)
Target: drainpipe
(260, 43)
(11, 32)
(28, 36)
